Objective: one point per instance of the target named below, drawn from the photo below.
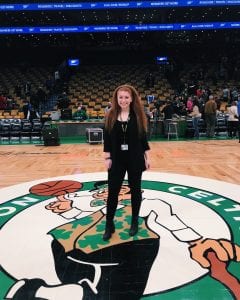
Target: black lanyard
(124, 128)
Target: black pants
(115, 180)
(232, 128)
(210, 120)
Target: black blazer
(137, 145)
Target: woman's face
(124, 99)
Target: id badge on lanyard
(124, 146)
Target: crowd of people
(193, 98)
(198, 102)
(7, 102)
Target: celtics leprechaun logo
(187, 245)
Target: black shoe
(109, 230)
(134, 228)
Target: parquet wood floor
(216, 159)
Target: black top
(168, 111)
(137, 144)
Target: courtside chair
(26, 131)
(5, 127)
(15, 130)
(172, 130)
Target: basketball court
(52, 217)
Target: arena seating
(20, 130)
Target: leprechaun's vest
(86, 233)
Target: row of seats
(89, 88)
(10, 76)
(20, 130)
(11, 114)
(221, 127)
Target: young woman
(125, 150)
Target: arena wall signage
(120, 28)
(114, 5)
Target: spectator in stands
(27, 88)
(233, 119)
(41, 95)
(25, 108)
(157, 104)
(149, 116)
(168, 112)
(196, 116)
(176, 105)
(150, 80)
(107, 108)
(18, 90)
(32, 113)
(192, 88)
(49, 84)
(238, 105)
(3, 102)
(183, 110)
(234, 94)
(80, 106)
(226, 94)
(190, 104)
(218, 102)
(206, 93)
(80, 114)
(63, 101)
(34, 100)
(201, 103)
(210, 111)
(10, 103)
(147, 111)
(150, 99)
(199, 92)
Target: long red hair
(136, 106)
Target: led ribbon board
(115, 5)
(120, 28)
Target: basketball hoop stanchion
(218, 271)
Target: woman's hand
(108, 163)
(147, 163)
